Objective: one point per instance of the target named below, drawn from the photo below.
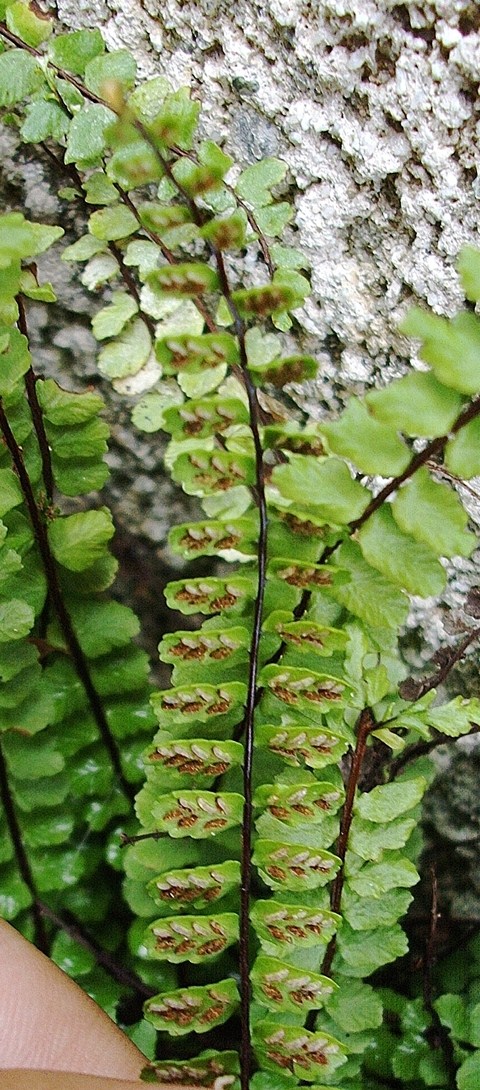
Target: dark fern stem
(31, 380)
(24, 868)
(366, 723)
(78, 658)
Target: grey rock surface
(374, 107)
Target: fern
(282, 787)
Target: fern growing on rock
(276, 852)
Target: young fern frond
(274, 861)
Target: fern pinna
(275, 857)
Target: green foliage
(272, 741)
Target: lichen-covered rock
(373, 106)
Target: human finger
(48, 1023)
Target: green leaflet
(44, 120)
(86, 440)
(128, 354)
(294, 867)
(16, 620)
(193, 938)
(112, 223)
(326, 486)
(469, 269)
(197, 1008)
(450, 346)
(98, 189)
(20, 75)
(83, 249)
(280, 987)
(10, 491)
(416, 404)
(409, 563)
(373, 880)
(134, 164)
(317, 747)
(176, 120)
(110, 321)
(194, 887)
(23, 21)
(74, 51)
(355, 1007)
(308, 1055)
(361, 952)
(101, 268)
(369, 839)
(365, 914)
(256, 182)
(455, 718)
(197, 814)
(374, 447)
(87, 136)
(461, 452)
(273, 219)
(388, 802)
(62, 407)
(119, 66)
(77, 541)
(368, 595)
(99, 626)
(468, 1074)
(433, 515)
(287, 927)
(20, 238)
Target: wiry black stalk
(78, 658)
(422, 749)
(450, 660)
(130, 283)
(252, 693)
(41, 938)
(37, 418)
(102, 957)
(45, 454)
(366, 723)
(252, 690)
(61, 72)
(442, 471)
(126, 838)
(432, 449)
